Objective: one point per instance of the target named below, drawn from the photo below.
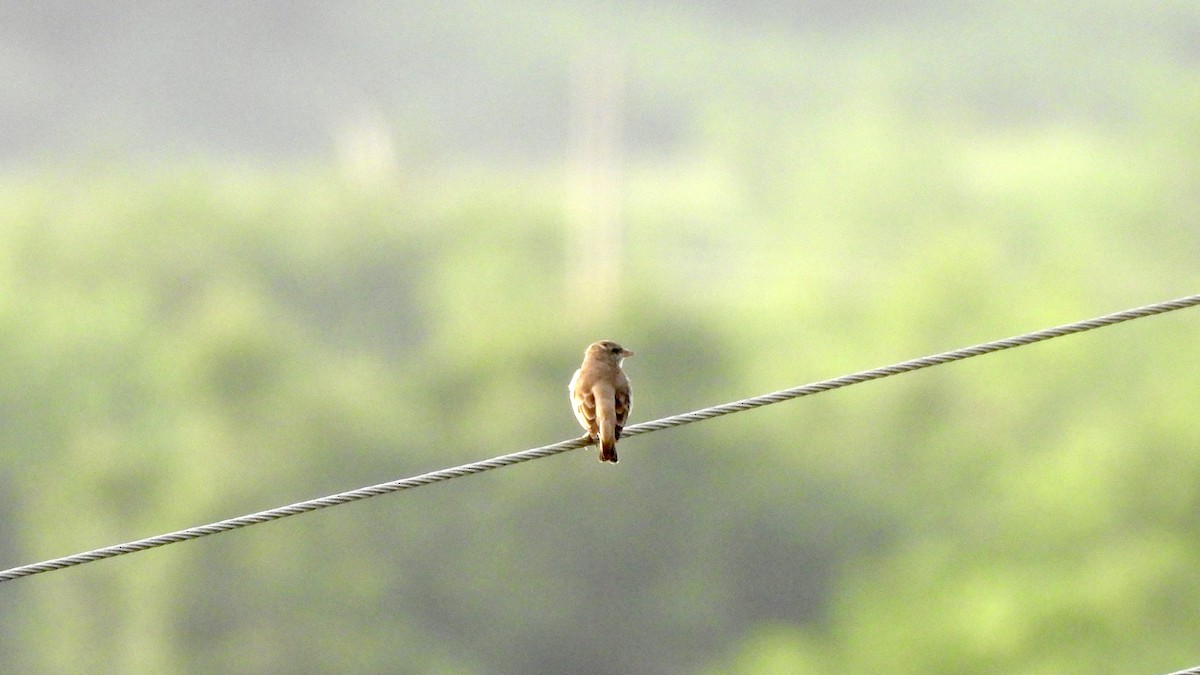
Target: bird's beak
(626, 353)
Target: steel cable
(563, 446)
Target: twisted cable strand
(293, 509)
(911, 365)
(563, 446)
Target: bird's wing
(584, 403)
(624, 404)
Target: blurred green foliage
(195, 342)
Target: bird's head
(608, 351)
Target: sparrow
(600, 395)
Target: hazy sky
(283, 80)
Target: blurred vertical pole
(594, 183)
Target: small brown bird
(600, 395)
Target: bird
(600, 395)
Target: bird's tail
(608, 450)
(606, 416)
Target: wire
(563, 446)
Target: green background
(215, 300)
